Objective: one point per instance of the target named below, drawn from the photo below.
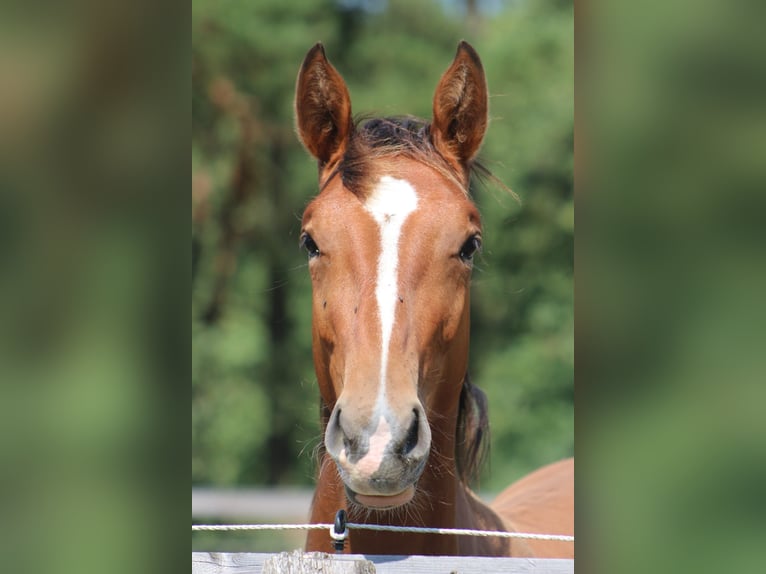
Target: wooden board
(298, 562)
(252, 504)
(252, 563)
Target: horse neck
(436, 509)
(452, 505)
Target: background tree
(254, 403)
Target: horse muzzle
(379, 463)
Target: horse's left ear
(322, 107)
(460, 107)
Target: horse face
(390, 259)
(390, 274)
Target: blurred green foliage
(90, 183)
(93, 111)
(254, 403)
(671, 318)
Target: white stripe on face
(390, 203)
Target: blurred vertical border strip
(94, 115)
(671, 276)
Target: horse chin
(382, 502)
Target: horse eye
(309, 245)
(469, 248)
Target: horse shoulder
(542, 502)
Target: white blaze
(370, 462)
(390, 203)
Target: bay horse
(391, 238)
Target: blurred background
(254, 399)
(94, 264)
(671, 277)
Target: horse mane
(472, 434)
(373, 139)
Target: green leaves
(254, 399)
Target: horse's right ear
(322, 107)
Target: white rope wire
(384, 528)
(225, 527)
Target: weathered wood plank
(252, 504)
(253, 563)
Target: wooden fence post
(297, 562)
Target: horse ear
(322, 106)
(460, 107)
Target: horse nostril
(335, 437)
(411, 441)
(351, 444)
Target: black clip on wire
(339, 531)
